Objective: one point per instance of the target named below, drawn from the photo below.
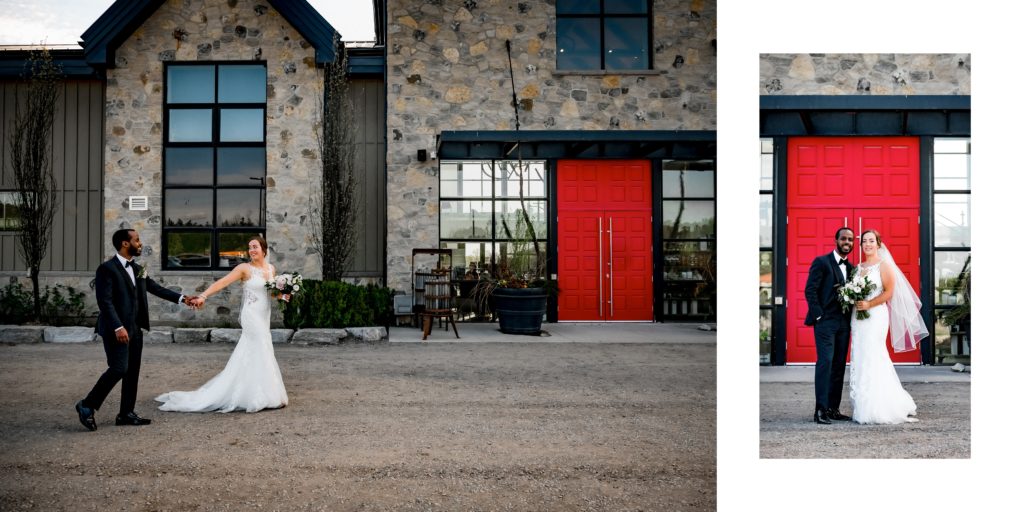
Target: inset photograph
(865, 255)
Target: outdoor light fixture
(421, 155)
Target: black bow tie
(127, 264)
(842, 263)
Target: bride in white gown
(251, 380)
(875, 388)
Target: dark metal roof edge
(380, 9)
(71, 61)
(578, 135)
(123, 17)
(821, 102)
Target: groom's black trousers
(832, 341)
(123, 364)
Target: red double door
(863, 183)
(605, 254)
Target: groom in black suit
(831, 326)
(121, 287)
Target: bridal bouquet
(283, 286)
(854, 290)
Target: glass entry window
(482, 212)
(952, 251)
(215, 163)
(688, 234)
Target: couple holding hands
(251, 379)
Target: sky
(58, 22)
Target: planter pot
(520, 310)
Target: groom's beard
(135, 252)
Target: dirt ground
(943, 432)
(497, 426)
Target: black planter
(520, 310)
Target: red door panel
(863, 183)
(605, 256)
(811, 234)
(901, 234)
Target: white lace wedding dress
(251, 380)
(875, 388)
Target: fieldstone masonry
(447, 69)
(865, 74)
(211, 30)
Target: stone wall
(865, 74)
(211, 30)
(448, 70)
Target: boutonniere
(141, 274)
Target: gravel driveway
(388, 426)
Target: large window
(952, 253)
(480, 212)
(215, 163)
(10, 213)
(603, 34)
(766, 297)
(688, 239)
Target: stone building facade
(865, 74)
(870, 141)
(210, 30)
(448, 70)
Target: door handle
(611, 267)
(860, 239)
(600, 266)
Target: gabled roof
(125, 16)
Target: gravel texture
(439, 426)
(943, 432)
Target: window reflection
(241, 125)
(188, 207)
(951, 268)
(186, 250)
(190, 84)
(689, 219)
(766, 278)
(687, 178)
(242, 84)
(765, 336)
(241, 166)
(579, 45)
(530, 176)
(466, 219)
(578, 6)
(952, 172)
(239, 207)
(189, 166)
(512, 224)
(625, 44)
(190, 125)
(233, 248)
(766, 221)
(952, 220)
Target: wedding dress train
(875, 388)
(251, 379)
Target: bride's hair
(262, 242)
(878, 237)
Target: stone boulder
(68, 334)
(281, 335)
(158, 335)
(21, 333)
(225, 335)
(368, 333)
(191, 335)
(319, 336)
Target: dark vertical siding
(368, 98)
(77, 166)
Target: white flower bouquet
(284, 286)
(854, 290)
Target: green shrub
(335, 304)
(61, 305)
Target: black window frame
(601, 16)
(712, 241)
(494, 199)
(215, 144)
(940, 309)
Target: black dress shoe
(821, 416)
(131, 419)
(86, 416)
(834, 414)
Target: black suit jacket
(121, 303)
(822, 288)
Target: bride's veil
(906, 326)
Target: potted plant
(518, 292)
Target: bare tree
(30, 140)
(334, 203)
